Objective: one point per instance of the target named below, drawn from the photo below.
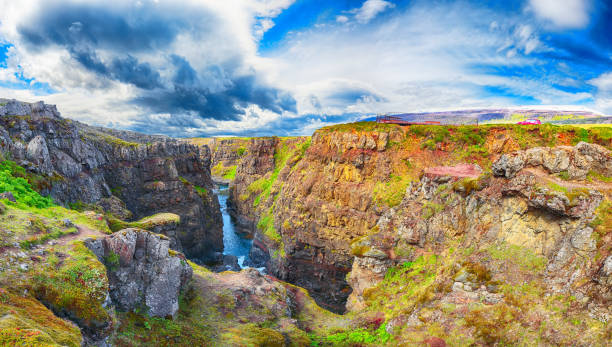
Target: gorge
(370, 234)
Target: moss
(26, 322)
(358, 337)
(240, 151)
(564, 175)
(77, 285)
(252, 335)
(430, 209)
(592, 175)
(491, 322)
(203, 192)
(226, 172)
(391, 193)
(230, 174)
(522, 256)
(147, 223)
(266, 225)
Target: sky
(189, 68)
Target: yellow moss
(26, 322)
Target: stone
(8, 195)
(146, 273)
(38, 153)
(457, 286)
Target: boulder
(142, 271)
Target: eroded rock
(142, 271)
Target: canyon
(363, 234)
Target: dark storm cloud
(189, 94)
(110, 41)
(282, 126)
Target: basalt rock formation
(142, 271)
(313, 202)
(149, 174)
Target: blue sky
(287, 67)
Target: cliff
(311, 201)
(76, 164)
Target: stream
(233, 243)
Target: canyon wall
(82, 165)
(312, 203)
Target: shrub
(19, 186)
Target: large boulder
(143, 271)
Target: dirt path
(541, 173)
(82, 234)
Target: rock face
(148, 173)
(142, 271)
(577, 161)
(517, 212)
(319, 199)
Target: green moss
(564, 175)
(592, 175)
(201, 190)
(266, 225)
(391, 192)
(112, 260)
(251, 335)
(77, 284)
(358, 337)
(147, 223)
(226, 172)
(522, 256)
(230, 174)
(430, 209)
(240, 151)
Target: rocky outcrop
(319, 193)
(142, 271)
(12, 107)
(74, 163)
(519, 212)
(577, 161)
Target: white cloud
(370, 9)
(418, 60)
(342, 19)
(85, 95)
(566, 14)
(603, 98)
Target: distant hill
(505, 115)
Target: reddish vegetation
(461, 170)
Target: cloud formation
(370, 9)
(261, 67)
(563, 13)
(111, 44)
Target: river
(233, 242)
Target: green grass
(359, 126)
